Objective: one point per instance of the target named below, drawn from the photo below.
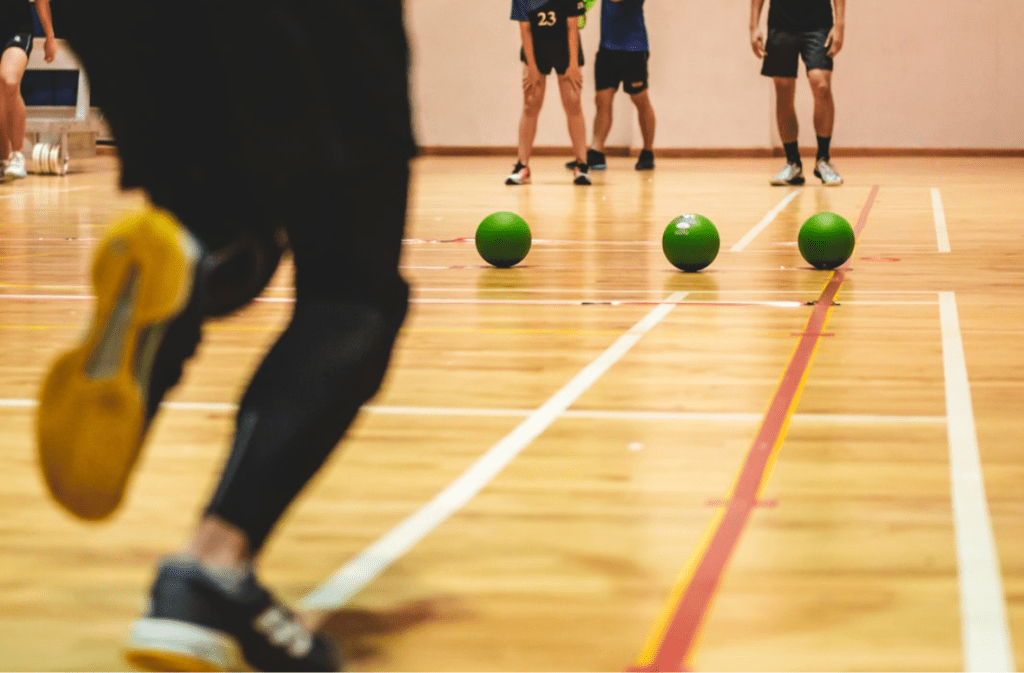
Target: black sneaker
(646, 161)
(520, 175)
(581, 174)
(571, 165)
(203, 620)
(98, 398)
(596, 160)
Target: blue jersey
(622, 26)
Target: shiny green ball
(690, 242)
(503, 239)
(826, 240)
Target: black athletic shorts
(551, 55)
(16, 27)
(20, 40)
(612, 67)
(288, 110)
(783, 49)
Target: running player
(16, 32)
(549, 31)
(319, 130)
(622, 59)
(811, 30)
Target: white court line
(941, 233)
(984, 629)
(625, 292)
(767, 220)
(596, 414)
(53, 192)
(362, 570)
(524, 302)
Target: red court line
(691, 611)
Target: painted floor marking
(983, 622)
(674, 633)
(765, 221)
(591, 414)
(941, 233)
(362, 570)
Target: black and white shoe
(646, 161)
(596, 160)
(791, 174)
(829, 176)
(520, 175)
(201, 619)
(581, 174)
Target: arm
(573, 72)
(834, 42)
(533, 75)
(45, 18)
(756, 35)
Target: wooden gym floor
(713, 471)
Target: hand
(50, 49)
(834, 41)
(757, 42)
(575, 75)
(532, 78)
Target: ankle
(219, 545)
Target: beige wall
(913, 74)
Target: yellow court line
(686, 576)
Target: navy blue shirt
(547, 17)
(622, 26)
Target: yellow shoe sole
(170, 645)
(154, 660)
(92, 406)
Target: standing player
(550, 32)
(622, 59)
(319, 128)
(801, 28)
(16, 31)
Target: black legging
(350, 303)
(251, 116)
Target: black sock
(792, 153)
(823, 144)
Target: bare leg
(603, 118)
(645, 113)
(571, 101)
(12, 108)
(824, 105)
(785, 108)
(533, 100)
(218, 544)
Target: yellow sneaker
(98, 399)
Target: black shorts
(20, 40)
(288, 112)
(783, 49)
(551, 55)
(612, 67)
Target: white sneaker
(829, 176)
(520, 175)
(581, 174)
(792, 174)
(15, 166)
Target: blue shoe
(646, 161)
